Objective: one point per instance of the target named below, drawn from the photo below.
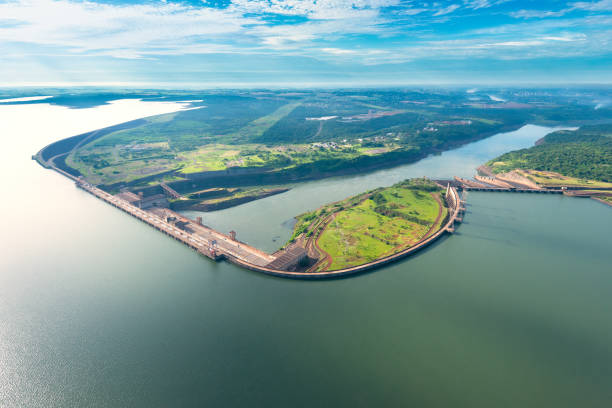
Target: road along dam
(218, 246)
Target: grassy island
(372, 225)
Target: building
(289, 259)
(138, 200)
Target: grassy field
(111, 164)
(372, 225)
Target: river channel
(99, 310)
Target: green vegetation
(300, 135)
(579, 156)
(219, 198)
(375, 224)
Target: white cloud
(132, 31)
(412, 11)
(315, 9)
(337, 51)
(447, 10)
(151, 31)
(568, 38)
(537, 13)
(602, 5)
(479, 4)
(83, 26)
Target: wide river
(99, 310)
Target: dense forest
(585, 153)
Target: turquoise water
(97, 309)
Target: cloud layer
(342, 32)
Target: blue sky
(304, 42)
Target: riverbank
(228, 200)
(217, 246)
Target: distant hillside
(307, 134)
(585, 153)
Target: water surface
(265, 223)
(99, 310)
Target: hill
(585, 153)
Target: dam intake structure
(218, 246)
(288, 262)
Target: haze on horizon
(242, 43)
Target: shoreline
(205, 248)
(608, 203)
(211, 250)
(252, 177)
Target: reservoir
(99, 310)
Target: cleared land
(580, 161)
(372, 225)
(552, 179)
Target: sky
(302, 43)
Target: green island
(252, 144)
(371, 225)
(579, 160)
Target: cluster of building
(326, 145)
